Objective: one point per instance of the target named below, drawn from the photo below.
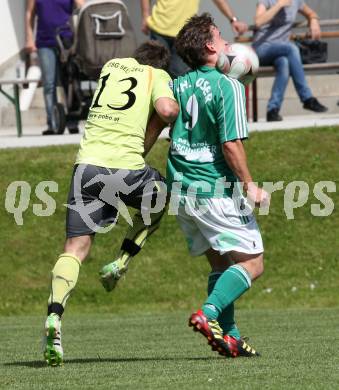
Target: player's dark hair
(153, 53)
(192, 38)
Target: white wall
(12, 28)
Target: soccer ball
(240, 62)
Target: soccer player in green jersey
(205, 170)
(110, 173)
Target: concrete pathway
(32, 135)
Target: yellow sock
(64, 278)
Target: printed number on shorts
(128, 92)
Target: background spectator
(274, 20)
(50, 15)
(167, 17)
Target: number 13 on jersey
(129, 83)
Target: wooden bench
(15, 99)
(268, 71)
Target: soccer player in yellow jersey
(110, 173)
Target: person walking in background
(167, 17)
(50, 16)
(206, 164)
(273, 21)
(110, 173)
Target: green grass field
(159, 351)
(291, 313)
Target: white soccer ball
(239, 61)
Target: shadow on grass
(42, 364)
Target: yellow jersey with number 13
(121, 107)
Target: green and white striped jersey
(212, 111)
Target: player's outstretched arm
(236, 159)
(153, 130)
(167, 109)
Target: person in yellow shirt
(167, 17)
(132, 103)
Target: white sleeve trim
(240, 111)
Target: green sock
(229, 287)
(226, 317)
